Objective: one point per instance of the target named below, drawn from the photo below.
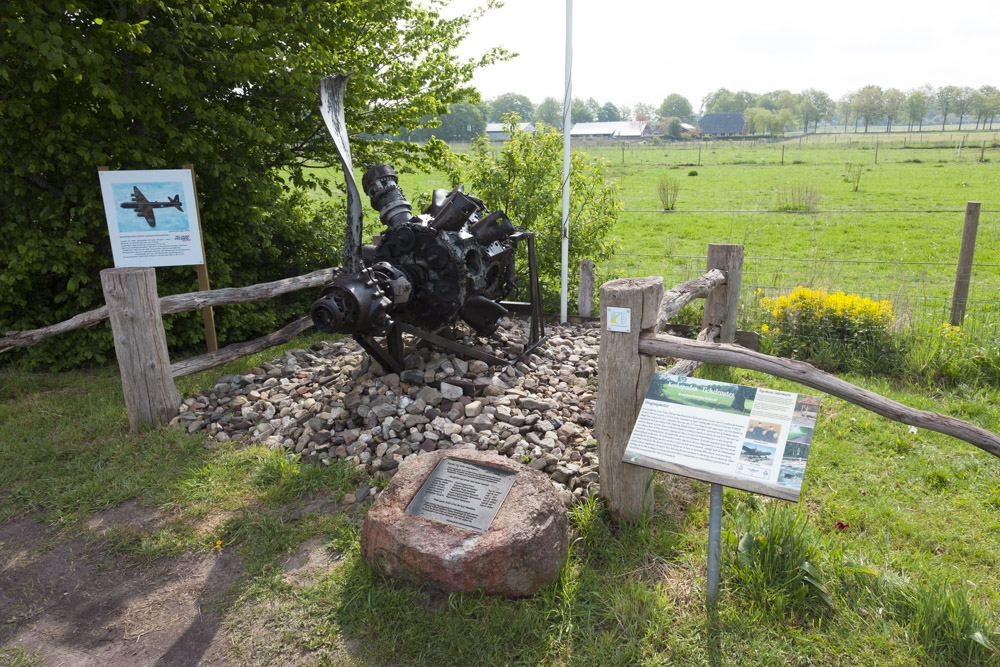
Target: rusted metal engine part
(454, 260)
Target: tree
(986, 104)
(509, 103)
(823, 104)
(676, 105)
(869, 105)
(593, 106)
(720, 101)
(917, 107)
(674, 128)
(946, 100)
(550, 112)
(845, 107)
(625, 112)
(580, 113)
(758, 119)
(893, 102)
(644, 111)
(525, 180)
(807, 111)
(462, 122)
(609, 112)
(228, 87)
(963, 102)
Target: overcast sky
(629, 51)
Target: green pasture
(897, 236)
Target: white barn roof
(622, 129)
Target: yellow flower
(218, 544)
(763, 328)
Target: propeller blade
(331, 97)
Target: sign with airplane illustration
(742, 437)
(152, 217)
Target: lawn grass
(920, 509)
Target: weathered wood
(239, 350)
(207, 316)
(151, 397)
(176, 303)
(680, 296)
(963, 273)
(585, 301)
(722, 304)
(661, 345)
(625, 487)
(687, 367)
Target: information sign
(152, 217)
(743, 437)
(462, 494)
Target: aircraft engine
(454, 260)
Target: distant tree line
(771, 113)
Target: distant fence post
(151, 397)
(722, 305)
(625, 376)
(585, 302)
(963, 274)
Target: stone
(430, 396)
(451, 392)
(523, 550)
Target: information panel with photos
(742, 437)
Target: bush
(832, 331)
(668, 189)
(524, 179)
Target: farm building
(722, 124)
(495, 131)
(623, 129)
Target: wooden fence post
(151, 397)
(585, 302)
(625, 377)
(963, 274)
(722, 305)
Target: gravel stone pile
(333, 402)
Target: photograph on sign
(462, 493)
(152, 219)
(743, 437)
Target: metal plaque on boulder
(462, 494)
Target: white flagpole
(567, 126)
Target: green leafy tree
(462, 122)
(869, 105)
(608, 112)
(825, 106)
(550, 112)
(986, 104)
(524, 179)
(845, 106)
(593, 106)
(676, 105)
(807, 111)
(674, 128)
(228, 87)
(917, 106)
(580, 113)
(963, 103)
(509, 103)
(945, 98)
(894, 102)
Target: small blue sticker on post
(620, 319)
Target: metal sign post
(714, 542)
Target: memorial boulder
(435, 523)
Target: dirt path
(66, 603)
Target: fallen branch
(238, 350)
(678, 297)
(175, 303)
(662, 345)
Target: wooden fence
(135, 311)
(627, 362)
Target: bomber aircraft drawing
(754, 455)
(144, 208)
